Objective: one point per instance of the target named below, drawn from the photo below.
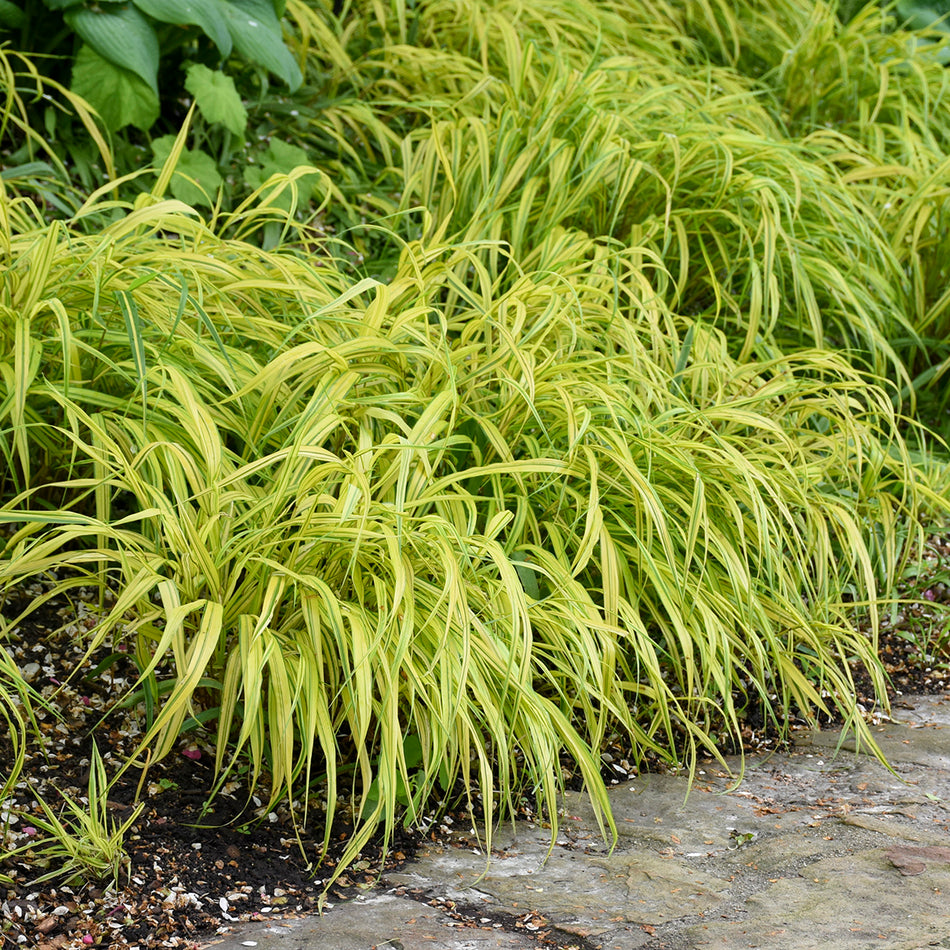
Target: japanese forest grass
(572, 455)
(509, 512)
(785, 168)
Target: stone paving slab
(382, 921)
(804, 853)
(842, 903)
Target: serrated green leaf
(11, 15)
(119, 96)
(257, 36)
(122, 36)
(210, 15)
(217, 97)
(196, 179)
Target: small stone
(911, 861)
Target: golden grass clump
(574, 408)
(507, 516)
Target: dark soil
(191, 869)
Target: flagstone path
(819, 848)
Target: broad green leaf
(120, 97)
(284, 157)
(932, 15)
(210, 15)
(923, 15)
(258, 37)
(123, 36)
(929, 16)
(10, 14)
(280, 158)
(196, 179)
(62, 4)
(413, 751)
(217, 97)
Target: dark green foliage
(125, 59)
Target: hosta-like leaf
(928, 15)
(257, 36)
(119, 96)
(217, 97)
(196, 179)
(122, 35)
(10, 15)
(210, 15)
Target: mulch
(192, 869)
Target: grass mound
(586, 419)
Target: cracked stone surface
(823, 847)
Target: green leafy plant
(124, 49)
(135, 65)
(196, 180)
(932, 19)
(470, 505)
